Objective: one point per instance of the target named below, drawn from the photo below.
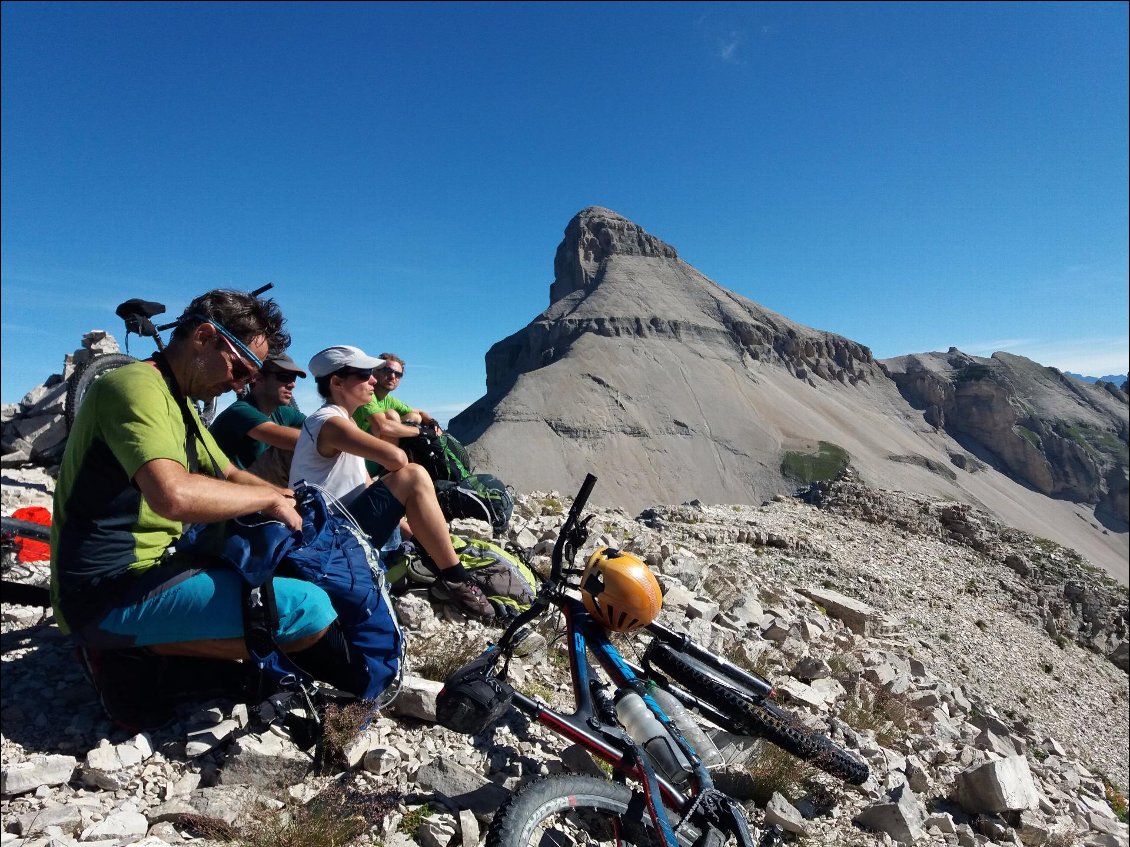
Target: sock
(329, 659)
(456, 573)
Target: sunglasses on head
(360, 373)
(391, 372)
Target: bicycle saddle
(137, 313)
(139, 308)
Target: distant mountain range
(1116, 379)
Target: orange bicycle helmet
(619, 590)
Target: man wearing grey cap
(258, 431)
(331, 453)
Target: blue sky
(912, 176)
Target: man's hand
(285, 512)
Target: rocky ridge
(916, 635)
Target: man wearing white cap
(332, 450)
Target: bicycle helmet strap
(192, 435)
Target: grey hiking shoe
(467, 596)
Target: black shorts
(378, 512)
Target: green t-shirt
(362, 415)
(103, 529)
(231, 427)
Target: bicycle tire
(576, 810)
(761, 717)
(83, 378)
(86, 375)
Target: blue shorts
(194, 604)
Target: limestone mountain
(671, 388)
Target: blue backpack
(332, 552)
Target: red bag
(32, 549)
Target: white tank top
(343, 476)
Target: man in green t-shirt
(138, 468)
(258, 432)
(387, 417)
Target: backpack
(440, 454)
(335, 554)
(480, 496)
(503, 575)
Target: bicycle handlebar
(565, 537)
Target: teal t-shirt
(102, 527)
(230, 429)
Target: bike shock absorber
(602, 701)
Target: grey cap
(283, 362)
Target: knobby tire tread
(764, 718)
(548, 796)
(83, 378)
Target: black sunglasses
(391, 372)
(282, 376)
(360, 373)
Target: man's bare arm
(275, 435)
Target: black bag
(473, 697)
(441, 455)
(480, 496)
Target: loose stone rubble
(988, 699)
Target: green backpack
(504, 578)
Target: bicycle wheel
(760, 717)
(83, 378)
(573, 811)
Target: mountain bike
(138, 317)
(681, 809)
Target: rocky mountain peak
(592, 236)
(673, 388)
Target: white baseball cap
(342, 356)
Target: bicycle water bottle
(648, 732)
(701, 742)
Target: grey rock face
(1061, 436)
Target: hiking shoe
(124, 681)
(467, 596)
(141, 690)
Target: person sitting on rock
(331, 453)
(138, 467)
(258, 432)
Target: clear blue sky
(912, 176)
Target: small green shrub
(1116, 799)
(773, 770)
(411, 822)
(337, 817)
(1029, 436)
(442, 655)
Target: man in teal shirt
(258, 432)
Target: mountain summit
(671, 388)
